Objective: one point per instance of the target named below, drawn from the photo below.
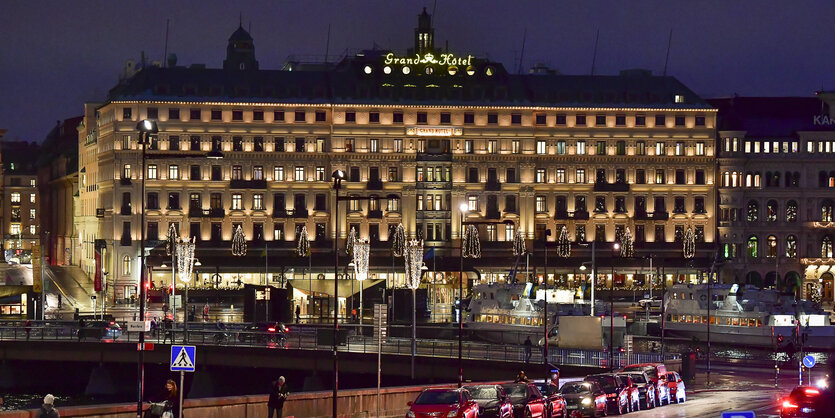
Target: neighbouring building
(58, 191)
(417, 136)
(776, 191)
(19, 196)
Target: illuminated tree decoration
(184, 249)
(302, 243)
(239, 242)
(398, 241)
(471, 247)
(349, 243)
(816, 295)
(689, 243)
(627, 245)
(413, 258)
(564, 244)
(519, 243)
(361, 251)
(171, 242)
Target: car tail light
(271, 329)
(812, 391)
(787, 404)
(286, 329)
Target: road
(713, 403)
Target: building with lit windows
(417, 135)
(19, 193)
(776, 191)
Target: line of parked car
(635, 387)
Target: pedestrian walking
(278, 394)
(167, 403)
(59, 301)
(168, 330)
(28, 328)
(80, 333)
(298, 313)
(206, 312)
(528, 346)
(48, 410)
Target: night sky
(55, 55)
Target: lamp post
(413, 257)
(338, 176)
(146, 128)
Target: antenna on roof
(667, 59)
(522, 54)
(594, 54)
(165, 53)
(328, 43)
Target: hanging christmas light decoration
(563, 244)
(627, 246)
(361, 251)
(302, 243)
(689, 243)
(171, 242)
(471, 247)
(398, 241)
(184, 249)
(349, 243)
(239, 242)
(519, 243)
(413, 258)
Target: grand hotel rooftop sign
(434, 131)
(428, 58)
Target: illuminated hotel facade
(534, 152)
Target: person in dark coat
(170, 397)
(278, 394)
(48, 410)
(528, 346)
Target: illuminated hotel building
(417, 135)
(18, 190)
(776, 191)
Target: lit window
(278, 173)
(126, 171)
(320, 173)
(540, 147)
(560, 175)
(393, 205)
(791, 246)
(31, 213)
(771, 247)
(540, 175)
(15, 197)
(509, 231)
(126, 265)
(31, 198)
(258, 201)
(560, 147)
(700, 148)
(468, 146)
(398, 145)
(515, 146)
(580, 176)
(14, 229)
(152, 172)
(472, 203)
(237, 201)
(258, 172)
(373, 145)
(173, 172)
(752, 247)
(660, 148)
(541, 204)
(581, 147)
(32, 230)
(679, 148)
(492, 146)
(299, 174)
(491, 232)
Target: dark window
(620, 120)
(561, 205)
(237, 115)
(699, 205)
(194, 203)
(194, 230)
(216, 173)
(640, 235)
(374, 232)
(510, 175)
(516, 119)
(580, 204)
(194, 172)
(680, 177)
(374, 117)
(600, 120)
(679, 120)
(640, 204)
(217, 143)
(126, 112)
(320, 203)
(397, 117)
(700, 121)
(660, 205)
(174, 143)
(194, 143)
(126, 237)
(174, 113)
(600, 233)
(321, 117)
(678, 205)
(601, 176)
(300, 202)
(492, 118)
(354, 174)
(278, 116)
(153, 201)
(469, 118)
(278, 203)
(237, 143)
(580, 120)
(279, 144)
(620, 147)
(421, 117)
(258, 232)
(173, 200)
(620, 204)
(640, 176)
(472, 175)
(258, 144)
(540, 119)
(153, 231)
(258, 115)
(620, 176)
(445, 118)
(300, 116)
(217, 231)
(153, 113)
(299, 144)
(678, 233)
(700, 177)
(660, 234)
(600, 204)
(194, 114)
(510, 203)
(660, 121)
(217, 114)
(640, 120)
(216, 201)
(320, 232)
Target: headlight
(410, 414)
(452, 414)
(586, 401)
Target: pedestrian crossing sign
(183, 358)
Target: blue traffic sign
(809, 361)
(739, 414)
(183, 358)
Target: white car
(676, 387)
(652, 303)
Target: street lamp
(338, 176)
(146, 128)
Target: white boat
(745, 315)
(510, 313)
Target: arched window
(796, 179)
(826, 247)
(748, 180)
(831, 179)
(775, 180)
(757, 179)
(771, 247)
(769, 179)
(791, 211)
(826, 211)
(771, 211)
(126, 264)
(726, 179)
(752, 246)
(753, 211)
(735, 179)
(788, 179)
(791, 246)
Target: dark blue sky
(56, 55)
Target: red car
(676, 387)
(527, 400)
(555, 403)
(800, 402)
(634, 394)
(443, 403)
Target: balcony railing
(125, 181)
(375, 214)
(493, 186)
(580, 215)
(300, 213)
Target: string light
(171, 242)
(239, 242)
(471, 247)
(519, 243)
(689, 243)
(398, 241)
(627, 245)
(302, 243)
(564, 244)
(184, 249)
(413, 258)
(361, 250)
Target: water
(724, 352)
